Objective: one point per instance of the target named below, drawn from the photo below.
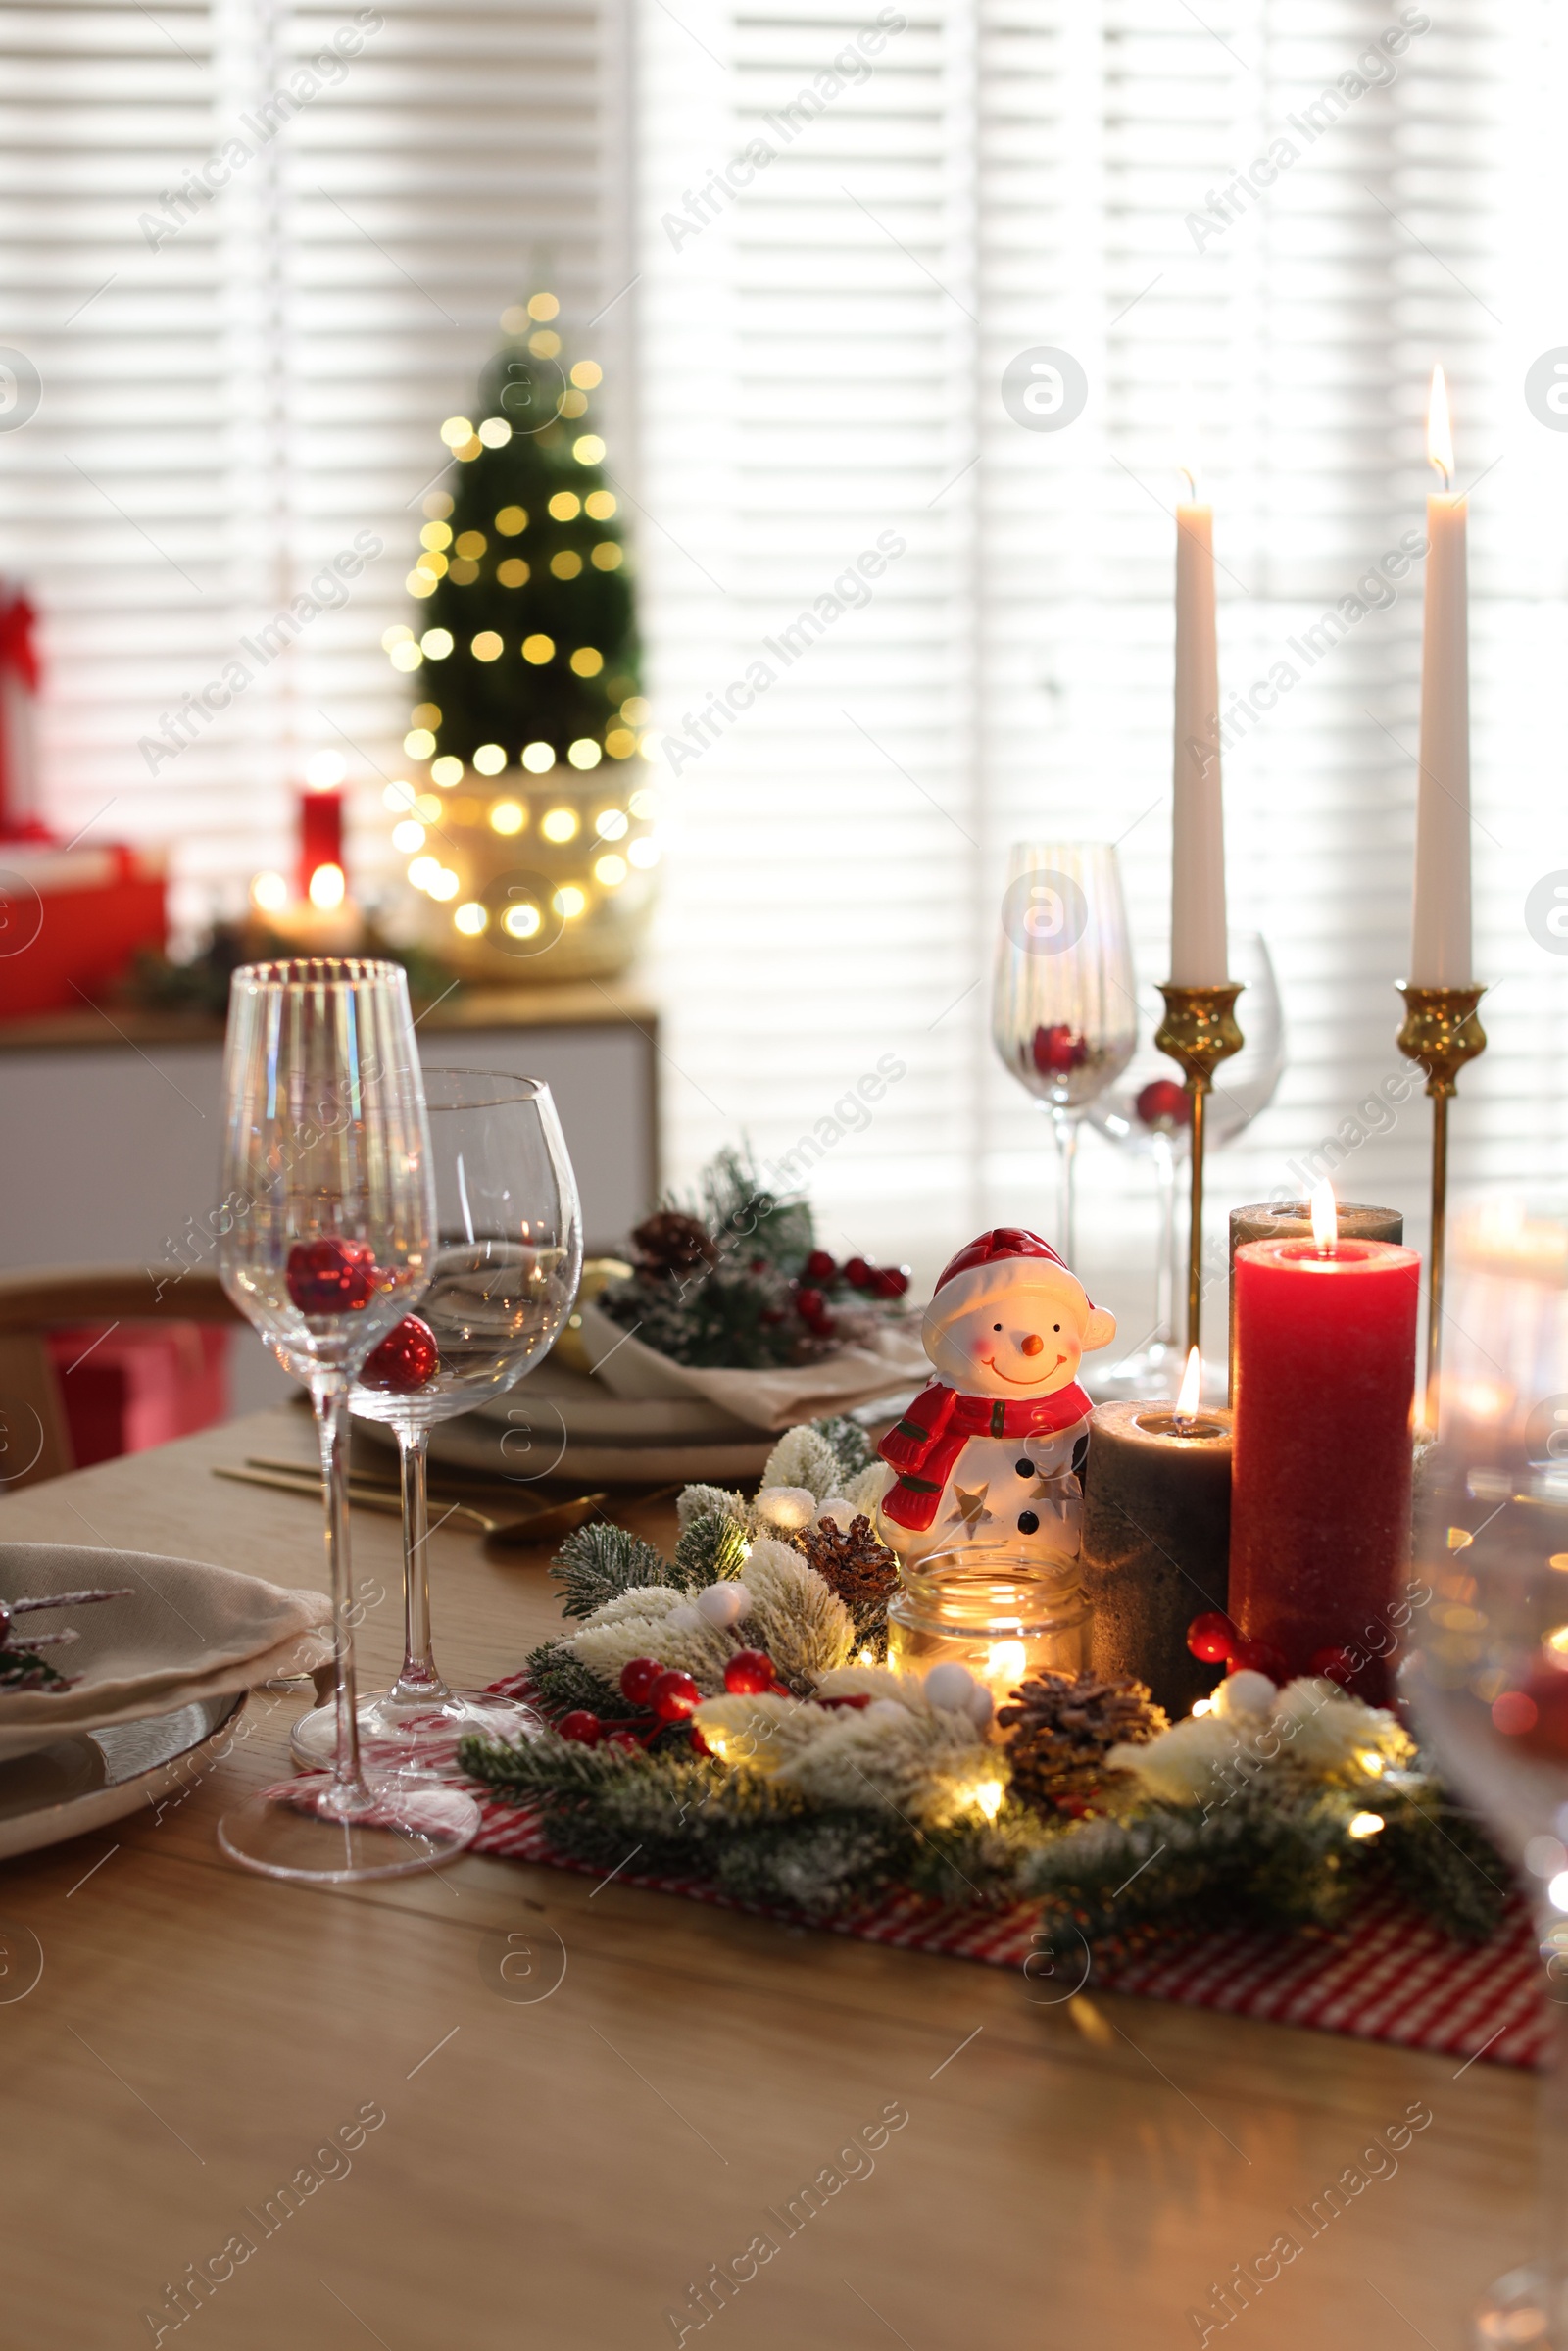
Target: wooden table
(565, 2154)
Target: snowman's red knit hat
(1002, 1240)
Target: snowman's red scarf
(924, 1446)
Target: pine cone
(854, 1562)
(668, 1243)
(1062, 1727)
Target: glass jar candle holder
(997, 1610)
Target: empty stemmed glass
(1063, 1008)
(1487, 1676)
(326, 1235)
(502, 1276)
(1146, 1112)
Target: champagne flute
(324, 1242)
(1487, 1675)
(502, 1276)
(1063, 1006)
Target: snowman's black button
(1028, 1522)
(1025, 1469)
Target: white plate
(86, 1779)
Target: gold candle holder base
(1441, 1031)
(1198, 1032)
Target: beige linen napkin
(185, 1630)
(763, 1399)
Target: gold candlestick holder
(1441, 1031)
(1198, 1032)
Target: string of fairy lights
(595, 837)
(620, 829)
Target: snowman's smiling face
(1025, 1340)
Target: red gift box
(72, 920)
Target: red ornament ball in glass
(674, 1695)
(638, 1678)
(585, 1729)
(1212, 1636)
(1333, 1665)
(1055, 1050)
(330, 1276)
(1258, 1657)
(748, 1673)
(406, 1360)
(1163, 1105)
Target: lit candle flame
(329, 888)
(1325, 1215)
(1187, 1393)
(1440, 429)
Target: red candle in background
(1320, 1496)
(321, 833)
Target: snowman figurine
(987, 1458)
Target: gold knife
(547, 1525)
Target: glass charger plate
(87, 1778)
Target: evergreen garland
(801, 1806)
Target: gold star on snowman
(971, 1507)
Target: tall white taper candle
(1198, 954)
(1439, 931)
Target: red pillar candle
(321, 833)
(1320, 1497)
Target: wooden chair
(34, 1435)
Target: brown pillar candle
(1157, 1543)
(1291, 1221)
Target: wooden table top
(559, 2170)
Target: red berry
(628, 1739)
(1056, 1049)
(406, 1360)
(581, 1727)
(749, 1672)
(858, 1273)
(1259, 1657)
(809, 1304)
(1163, 1103)
(674, 1695)
(1333, 1665)
(330, 1276)
(890, 1281)
(638, 1678)
(1212, 1636)
(819, 1266)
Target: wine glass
(1146, 1113)
(324, 1242)
(1487, 1678)
(502, 1276)
(1063, 1006)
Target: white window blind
(257, 254)
(823, 363)
(820, 339)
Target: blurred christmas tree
(526, 652)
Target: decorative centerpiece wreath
(727, 1715)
